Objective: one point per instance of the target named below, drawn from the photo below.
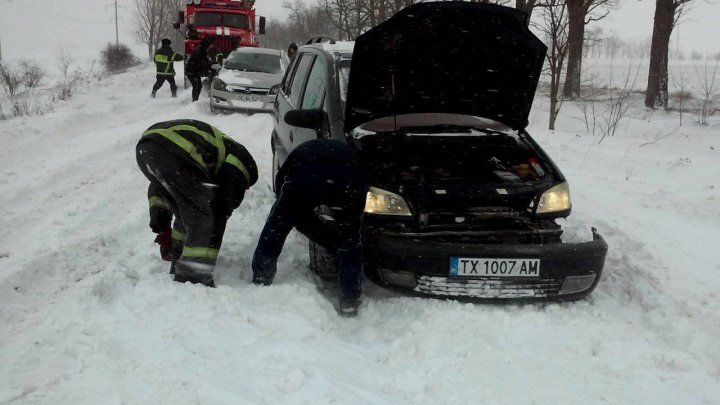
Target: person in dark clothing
(198, 65)
(198, 175)
(292, 51)
(322, 194)
(215, 56)
(164, 59)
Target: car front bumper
(568, 271)
(240, 101)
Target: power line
(117, 35)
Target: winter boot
(262, 278)
(194, 272)
(174, 93)
(152, 94)
(348, 307)
(264, 269)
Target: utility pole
(117, 36)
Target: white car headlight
(383, 202)
(218, 84)
(556, 199)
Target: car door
(313, 97)
(289, 98)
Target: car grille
(224, 43)
(487, 288)
(247, 90)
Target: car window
(235, 21)
(344, 70)
(254, 62)
(298, 80)
(315, 90)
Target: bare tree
(555, 27)
(351, 18)
(153, 18)
(527, 6)
(580, 13)
(11, 80)
(680, 83)
(619, 102)
(306, 21)
(667, 13)
(708, 89)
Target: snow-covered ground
(89, 314)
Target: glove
(165, 241)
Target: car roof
(264, 51)
(340, 49)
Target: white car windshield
(254, 62)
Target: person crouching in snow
(322, 193)
(198, 175)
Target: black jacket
(224, 161)
(331, 157)
(164, 58)
(198, 64)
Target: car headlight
(556, 199)
(383, 202)
(218, 84)
(274, 90)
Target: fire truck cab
(228, 23)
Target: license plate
(248, 98)
(493, 267)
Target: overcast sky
(36, 29)
(700, 29)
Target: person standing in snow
(198, 175)
(198, 65)
(292, 51)
(164, 59)
(215, 56)
(322, 194)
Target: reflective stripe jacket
(224, 161)
(164, 58)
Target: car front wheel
(323, 263)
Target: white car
(248, 80)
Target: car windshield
(216, 19)
(254, 62)
(235, 21)
(208, 19)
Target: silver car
(248, 80)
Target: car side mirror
(313, 119)
(261, 28)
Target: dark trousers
(161, 79)
(196, 81)
(193, 197)
(329, 214)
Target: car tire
(323, 263)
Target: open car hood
(446, 57)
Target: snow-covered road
(89, 315)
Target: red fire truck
(229, 23)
